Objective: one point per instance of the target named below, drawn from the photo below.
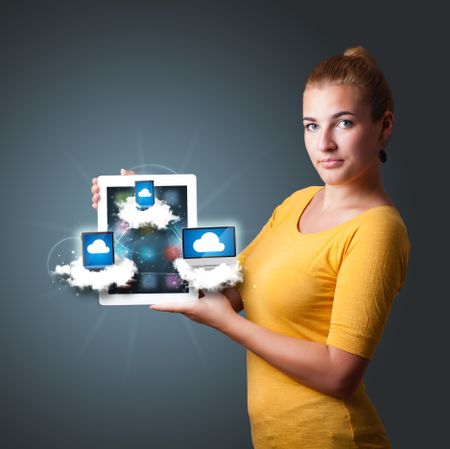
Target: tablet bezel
(188, 180)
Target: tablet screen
(152, 250)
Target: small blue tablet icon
(98, 249)
(145, 194)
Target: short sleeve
(372, 271)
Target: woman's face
(338, 126)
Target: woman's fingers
(180, 308)
(95, 189)
(126, 172)
(95, 199)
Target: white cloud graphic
(208, 243)
(98, 247)
(218, 278)
(76, 275)
(144, 193)
(158, 216)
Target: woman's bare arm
(316, 365)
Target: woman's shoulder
(304, 193)
(307, 190)
(383, 217)
(295, 198)
(381, 226)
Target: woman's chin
(333, 178)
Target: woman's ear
(387, 126)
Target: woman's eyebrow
(338, 114)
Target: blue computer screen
(98, 249)
(209, 242)
(145, 196)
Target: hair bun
(360, 52)
(355, 67)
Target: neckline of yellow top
(334, 228)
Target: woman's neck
(353, 194)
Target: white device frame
(188, 180)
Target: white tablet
(152, 250)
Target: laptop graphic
(209, 246)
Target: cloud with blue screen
(158, 216)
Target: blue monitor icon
(145, 194)
(98, 249)
(209, 242)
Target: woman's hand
(212, 309)
(95, 189)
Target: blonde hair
(355, 67)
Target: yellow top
(335, 287)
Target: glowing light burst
(172, 281)
(172, 252)
(121, 232)
(73, 251)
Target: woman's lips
(331, 163)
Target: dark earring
(383, 156)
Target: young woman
(321, 276)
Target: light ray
(190, 149)
(48, 226)
(46, 295)
(140, 147)
(131, 342)
(88, 340)
(227, 184)
(198, 349)
(78, 167)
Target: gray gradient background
(211, 88)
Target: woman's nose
(326, 141)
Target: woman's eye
(347, 124)
(346, 121)
(308, 126)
